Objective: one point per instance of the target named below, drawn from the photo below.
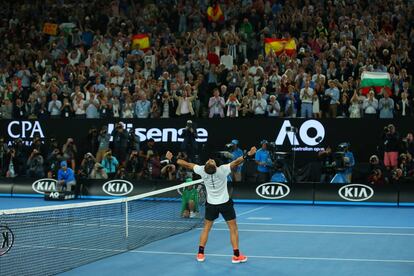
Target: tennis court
(278, 239)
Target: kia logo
(44, 185)
(6, 239)
(272, 190)
(356, 192)
(118, 187)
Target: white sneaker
(193, 214)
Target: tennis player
(218, 200)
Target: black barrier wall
(312, 135)
(270, 192)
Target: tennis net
(53, 239)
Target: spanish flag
(280, 45)
(215, 13)
(140, 41)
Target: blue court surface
(279, 240)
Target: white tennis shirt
(216, 184)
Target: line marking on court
(259, 218)
(280, 257)
(241, 214)
(315, 232)
(327, 225)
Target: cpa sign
(304, 136)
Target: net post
(126, 218)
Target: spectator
(306, 95)
(185, 106)
(273, 108)
(6, 109)
(386, 106)
(216, 105)
(259, 105)
(142, 107)
(54, 107)
(233, 106)
(354, 107)
(333, 93)
(370, 106)
(403, 107)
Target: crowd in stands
(199, 67)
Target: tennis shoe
(201, 257)
(240, 259)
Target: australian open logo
(6, 239)
(273, 190)
(118, 187)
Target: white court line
(316, 232)
(223, 255)
(281, 257)
(259, 218)
(241, 214)
(326, 225)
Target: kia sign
(44, 185)
(272, 190)
(118, 187)
(6, 239)
(356, 192)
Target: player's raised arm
(241, 159)
(179, 162)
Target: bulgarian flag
(375, 81)
(280, 45)
(215, 13)
(140, 41)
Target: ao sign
(304, 135)
(24, 129)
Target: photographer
(98, 172)
(376, 178)
(327, 164)
(69, 151)
(92, 140)
(134, 166)
(133, 141)
(3, 156)
(35, 165)
(120, 142)
(110, 164)
(189, 145)
(103, 143)
(87, 165)
(234, 153)
(391, 146)
(11, 164)
(53, 162)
